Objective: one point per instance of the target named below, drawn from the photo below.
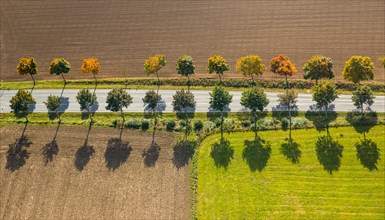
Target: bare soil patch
(123, 33)
(104, 178)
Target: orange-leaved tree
(282, 65)
(154, 64)
(91, 65)
(27, 66)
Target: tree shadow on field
(362, 123)
(84, 153)
(256, 153)
(117, 153)
(17, 153)
(212, 115)
(291, 151)
(222, 153)
(368, 153)
(51, 149)
(329, 153)
(151, 154)
(320, 121)
(183, 152)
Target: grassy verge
(180, 83)
(240, 182)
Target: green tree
(154, 64)
(250, 65)
(185, 66)
(151, 99)
(60, 66)
(318, 67)
(27, 66)
(20, 103)
(324, 94)
(86, 99)
(117, 99)
(218, 65)
(358, 68)
(288, 99)
(53, 104)
(183, 101)
(219, 100)
(363, 96)
(255, 100)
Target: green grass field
(270, 186)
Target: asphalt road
(305, 103)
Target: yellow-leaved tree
(154, 64)
(91, 65)
(27, 66)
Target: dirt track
(111, 185)
(123, 33)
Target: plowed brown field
(112, 183)
(123, 33)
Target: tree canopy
(362, 96)
(90, 65)
(117, 99)
(151, 99)
(21, 101)
(254, 99)
(220, 98)
(53, 102)
(154, 64)
(382, 61)
(85, 99)
(27, 66)
(288, 99)
(183, 100)
(250, 65)
(59, 66)
(318, 67)
(324, 94)
(282, 65)
(217, 64)
(358, 68)
(185, 65)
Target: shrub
(228, 124)
(145, 125)
(198, 125)
(284, 123)
(217, 122)
(246, 123)
(182, 123)
(300, 123)
(170, 125)
(133, 123)
(209, 126)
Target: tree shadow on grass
(222, 153)
(183, 152)
(117, 153)
(51, 149)
(320, 121)
(291, 151)
(329, 153)
(362, 123)
(151, 154)
(368, 153)
(84, 153)
(256, 153)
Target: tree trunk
(33, 78)
(221, 125)
(157, 77)
(220, 78)
(65, 82)
(188, 83)
(96, 82)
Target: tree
(91, 65)
(358, 68)
(362, 96)
(154, 64)
(86, 99)
(185, 66)
(318, 67)
(282, 65)
(288, 99)
(53, 104)
(218, 65)
(27, 66)
(324, 94)
(60, 66)
(182, 102)
(117, 99)
(151, 99)
(250, 66)
(20, 103)
(382, 61)
(220, 99)
(255, 100)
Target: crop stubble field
(123, 33)
(103, 189)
